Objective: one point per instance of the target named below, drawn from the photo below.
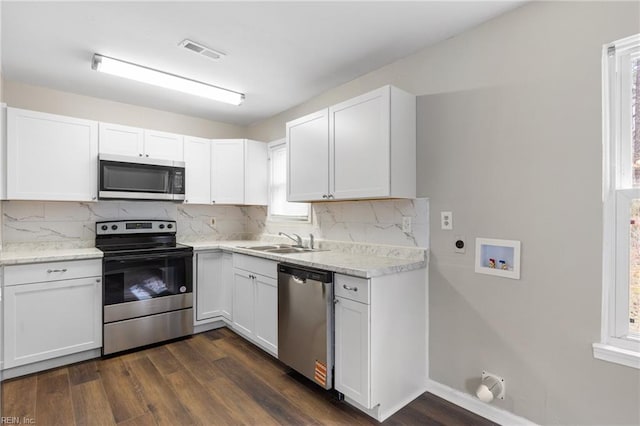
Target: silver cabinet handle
(147, 155)
(335, 301)
(140, 155)
(325, 196)
(346, 287)
(94, 198)
(56, 270)
(98, 280)
(213, 201)
(330, 196)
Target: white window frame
(271, 146)
(617, 343)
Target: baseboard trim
(23, 370)
(476, 406)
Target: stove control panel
(116, 227)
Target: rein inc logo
(17, 421)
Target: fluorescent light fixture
(158, 78)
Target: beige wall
(38, 98)
(510, 141)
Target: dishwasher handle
(298, 280)
(303, 273)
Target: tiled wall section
(374, 222)
(73, 224)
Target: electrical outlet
(406, 224)
(446, 221)
(459, 245)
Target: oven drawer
(51, 271)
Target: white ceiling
(278, 53)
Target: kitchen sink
(289, 250)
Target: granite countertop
(46, 254)
(360, 260)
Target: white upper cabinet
(361, 148)
(163, 145)
(227, 171)
(137, 142)
(51, 157)
(197, 158)
(238, 172)
(308, 157)
(121, 140)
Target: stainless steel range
(148, 283)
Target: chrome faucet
(297, 239)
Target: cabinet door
(164, 146)
(197, 158)
(51, 157)
(51, 319)
(243, 302)
(352, 350)
(360, 145)
(227, 171)
(121, 140)
(266, 327)
(227, 286)
(255, 173)
(308, 157)
(209, 288)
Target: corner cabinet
(255, 301)
(51, 310)
(214, 286)
(51, 157)
(380, 324)
(359, 149)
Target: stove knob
(114, 227)
(161, 226)
(104, 227)
(170, 226)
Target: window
(621, 195)
(279, 208)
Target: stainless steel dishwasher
(305, 322)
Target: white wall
(510, 141)
(21, 95)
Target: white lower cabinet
(51, 318)
(255, 301)
(380, 340)
(214, 286)
(352, 349)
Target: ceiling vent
(201, 50)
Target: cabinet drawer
(257, 265)
(352, 288)
(51, 271)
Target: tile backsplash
(73, 223)
(371, 221)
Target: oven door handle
(133, 257)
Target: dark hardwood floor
(214, 378)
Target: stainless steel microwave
(123, 177)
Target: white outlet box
(446, 221)
(406, 224)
